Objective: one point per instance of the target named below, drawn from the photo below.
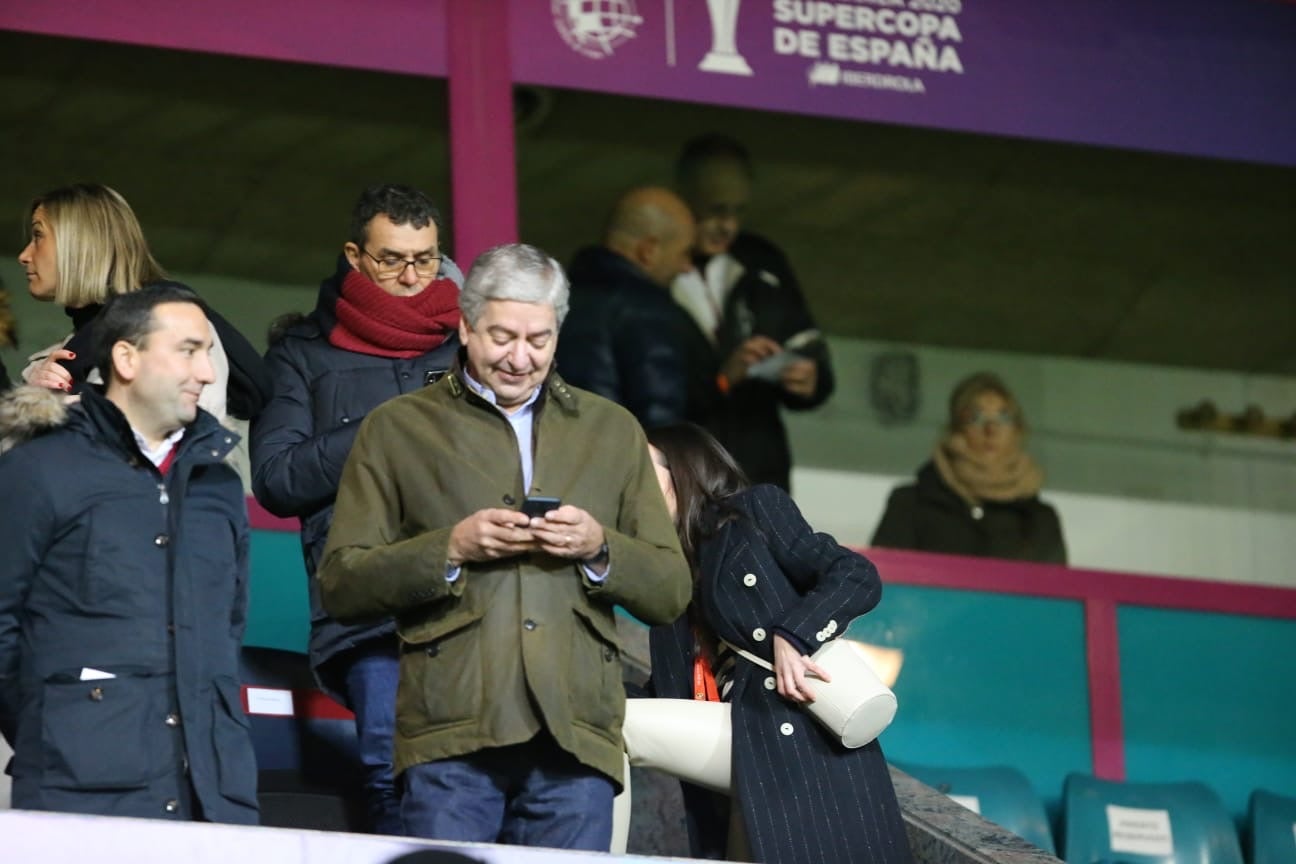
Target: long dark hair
(705, 475)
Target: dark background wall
(246, 169)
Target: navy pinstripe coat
(804, 797)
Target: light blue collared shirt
(523, 422)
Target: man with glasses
(766, 351)
(385, 323)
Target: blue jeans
(370, 675)
(532, 794)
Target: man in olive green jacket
(510, 704)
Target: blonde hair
(99, 246)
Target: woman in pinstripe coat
(766, 582)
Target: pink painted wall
(385, 35)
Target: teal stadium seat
(1001, 795)
(1271, 828)
(1145, 823)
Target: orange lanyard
(704, 683)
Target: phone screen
(536, 505)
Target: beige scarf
(976, 478)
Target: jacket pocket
(104, 734)
(597, 695)
(441, 679)
(236, 768)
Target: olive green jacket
(514, 645)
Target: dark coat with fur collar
(123, 596)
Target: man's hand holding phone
(489, 534)
(569, 532)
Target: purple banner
(1196, 77)
(385, 35)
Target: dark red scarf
(371, 321)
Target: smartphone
(539, 505)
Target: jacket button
(161, 540)
(173, 720)
(977, 513)
(821, 636)
(609, 654)
(509, 500)
(172, 806)
(345, 419)
(433, 650)
(749, 580)
(786, 729)
(529, 624)
(405, 376)
(759, 634)
(96, 694)
(769, 683)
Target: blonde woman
(85, 245)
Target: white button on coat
(769, 683)
(749, 580)
(759, 634)
(786, 729)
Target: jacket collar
(27, 412)
(553, 387)
(205, 439)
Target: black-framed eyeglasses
(388, 266)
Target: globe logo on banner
(595, 28)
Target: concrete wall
(1135, 493)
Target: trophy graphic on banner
(724, 56)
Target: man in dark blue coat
(624, 338)
(123, 582)
(385, 324)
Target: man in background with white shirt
(747, 302)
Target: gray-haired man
(510, 703)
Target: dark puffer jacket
(766, 301)
(123, 598)
(302, 438)
(626, 340)
(929, 516)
